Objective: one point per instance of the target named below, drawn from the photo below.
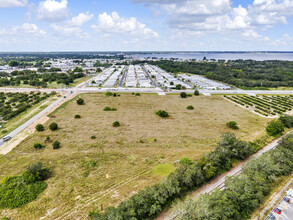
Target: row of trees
(244, 193)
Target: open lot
(89, 172)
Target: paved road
(33, 119)
(220, 181)
(151, 90)
(123, 77)
(154, 83)
(287, 214)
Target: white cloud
(73, 26)
(26, 29)
(12, 3)
(114, 24)
(51, 10)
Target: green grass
(163, 169)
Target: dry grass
(125, 155)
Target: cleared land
(89, 172)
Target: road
(123, 77)
(33, 119)
(84, 89)
(220, 181)
(154, 83)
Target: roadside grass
(125, 156)
(80, 80)
(15, 122)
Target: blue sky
(145, 25)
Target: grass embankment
(125, 156)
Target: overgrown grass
(163, 169)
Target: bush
(183, 95)
(93, 137)
(48, 139)
(106, 109)
(185, 161)
(190, 107)
(108, 94)
(233, 125)
(196, 92)
(77, 116)
(17, 191)
(162, 113)
(116, 124)
(53, 126)
(137, 94)
(40, 127)
(80, 101)
(286, 120)
(38, 146)
(56, 145)
(275, 128)
(114, 94)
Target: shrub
(286, 120)
(56, 145)
(80, 101)
(40, 127)
(162, 113)
(183, 95)
(93, 137)
(53, 126)
(137, 94)
(108, 94)
(114, 94)
(116, 124)
(38, 146)
(107, 109)
(196, 92)
(275, 128)
(233, 125)
(48, 139)
(77, 116)
(190, 107)
(185, 161)
(17, 191)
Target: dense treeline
(244, 193)
(32, 78)
(17, 191)
(148, 203)
(240, 73)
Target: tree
(56, 145)
(38, 146)
(116, 124)
(40, 127)
(196, 92)
(185, 161)
(80, 101)
(286, 120)
(77, 116)
(233, 125)
(53, 126)
(178, 86)
(162, 113)
(190, 107)
(183, 95)
(275, 128)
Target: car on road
(286, 199)
(7, 138)
(277, 210)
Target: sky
(146, 25)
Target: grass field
(120, 161)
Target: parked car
(286, 199)
(271, 216)
(7, 138)
(277, 210)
